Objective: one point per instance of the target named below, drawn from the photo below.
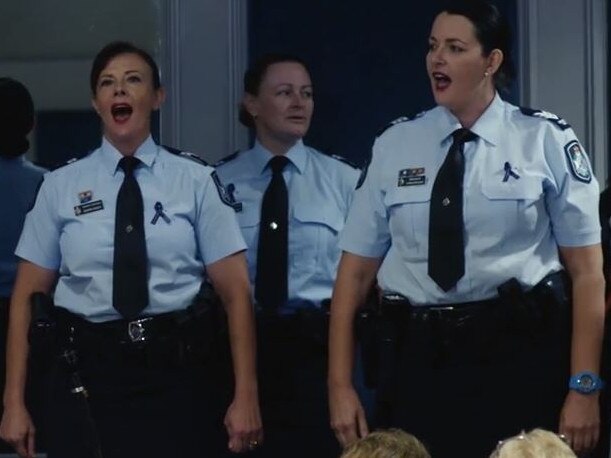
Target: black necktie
(271, 283)
(129, 275)
(446, 224)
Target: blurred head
(537, 443)
(126, 89)
(16, 118)
(278, 99)
(392, 443)
(469, 55)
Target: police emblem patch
(578, 162)
(226, 197)
(411, 177)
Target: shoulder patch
(399, 121)
(226, 196)
(226, 159)
(561, 123)
(185, 154)
(578, 162)
(344, 160)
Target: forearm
(354, 280)
(243, 343)
(588, 322)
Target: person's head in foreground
(391, 443)
(537, 443)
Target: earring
(486, 73)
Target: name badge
(411, 177)
(88, 207)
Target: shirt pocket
(516, 203)
(408, 213)
(313, 238)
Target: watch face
(586, 382)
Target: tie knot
(463, 135)
(277, 163)
(129, 164)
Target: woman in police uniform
(293, 256)
(464, 215)
(130, 233)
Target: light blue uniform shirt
(320, 190)
(513, 226)
(19, 180)
(200, 229)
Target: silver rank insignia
(580, 167)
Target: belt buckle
(137, 331)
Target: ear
(495, 59)
(251, 104)
(159, 98)
(95, 106)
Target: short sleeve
(366, 232)
(217, 230)
(39, 241)
(572, 198)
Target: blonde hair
(391, 443)
(537, 443)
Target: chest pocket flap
(328, 216)
(407, 195)
(524, 188)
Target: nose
(119, 89)
(298, 99)
(437, 56)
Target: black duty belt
(552, 291)
(137, 331)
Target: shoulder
(541, 117)
(186, 155)
(404, 122)
(332, 160)
(76, 164)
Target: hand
(347, 415)
(18, 430)
(580, 421)
(243, 424)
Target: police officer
(129, 233)
(19, 179)
(291, 201)
(464, 215)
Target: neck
(468, 115)
(276, 146)
(127, 146)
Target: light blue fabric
(320, 191)
(19, 180)
(513, 226)
(198, 230)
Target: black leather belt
(551, 289)
(136, 331)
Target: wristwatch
(586, 382)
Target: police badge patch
(580, 167)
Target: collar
(147, 152)
(488, 126)
(261, 156)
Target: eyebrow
(110, 75)
(449, 40)
(291, 85)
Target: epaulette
(226, 159)
(561, 123)
(72, 160)
(344, 160)
(399, 121)
(185, 154)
